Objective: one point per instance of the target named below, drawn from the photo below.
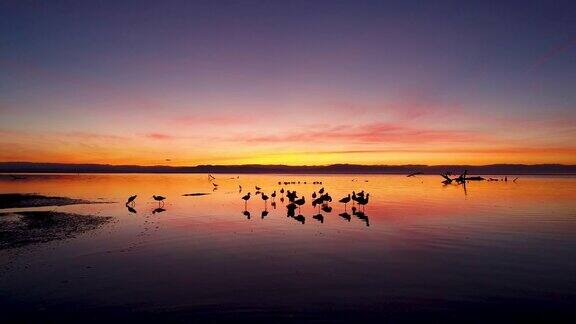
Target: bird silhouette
(314, 195)
(291, 195)
(131, 200)
(158, 210)
(319, 217)
(130, 209)
(321, 191)
(246, 197)
(265, 198)
(318, 201)
(273, 195)
(159, 199)
(257, 188)
(363, 201)
(345, 201)
(246, 213)
(300, 202)
(264, 213)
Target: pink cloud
(369, 133)
(160, 136)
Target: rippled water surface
(490, 249)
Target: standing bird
(159, 199)
(300, 202)
(257, 188)
(363, 201)
(314, 195)
(265, 198)
(321, 191)
(354, 198)
(273, 195)
(282, 191)
(246, 198)
(345, 200)
(131, 200)
(291, 195)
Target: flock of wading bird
(320, 200)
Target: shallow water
(491, 250)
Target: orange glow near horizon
(226, 140)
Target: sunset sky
(290, 82)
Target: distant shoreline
(492, 169)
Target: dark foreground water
(495, 251)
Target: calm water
(497, 250)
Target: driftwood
(460, 179)
(414, 174)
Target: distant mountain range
(502, 169)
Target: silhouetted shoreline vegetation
(509, 169)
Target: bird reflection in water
(291, 209)
(158, 210)
(264, 213)
(132, 210)
(246, 213)
(273, 204)
(319, 217)
(300, 218)
(346, 216)
(326, 208)
(362, 216)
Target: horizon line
(495, 169)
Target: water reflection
(346, 216)
(361, 215)
(132, 210)
(319, 217)
(504, 240)
(300, 218)
(158, 210)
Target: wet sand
(17, 200)
(20, 229)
